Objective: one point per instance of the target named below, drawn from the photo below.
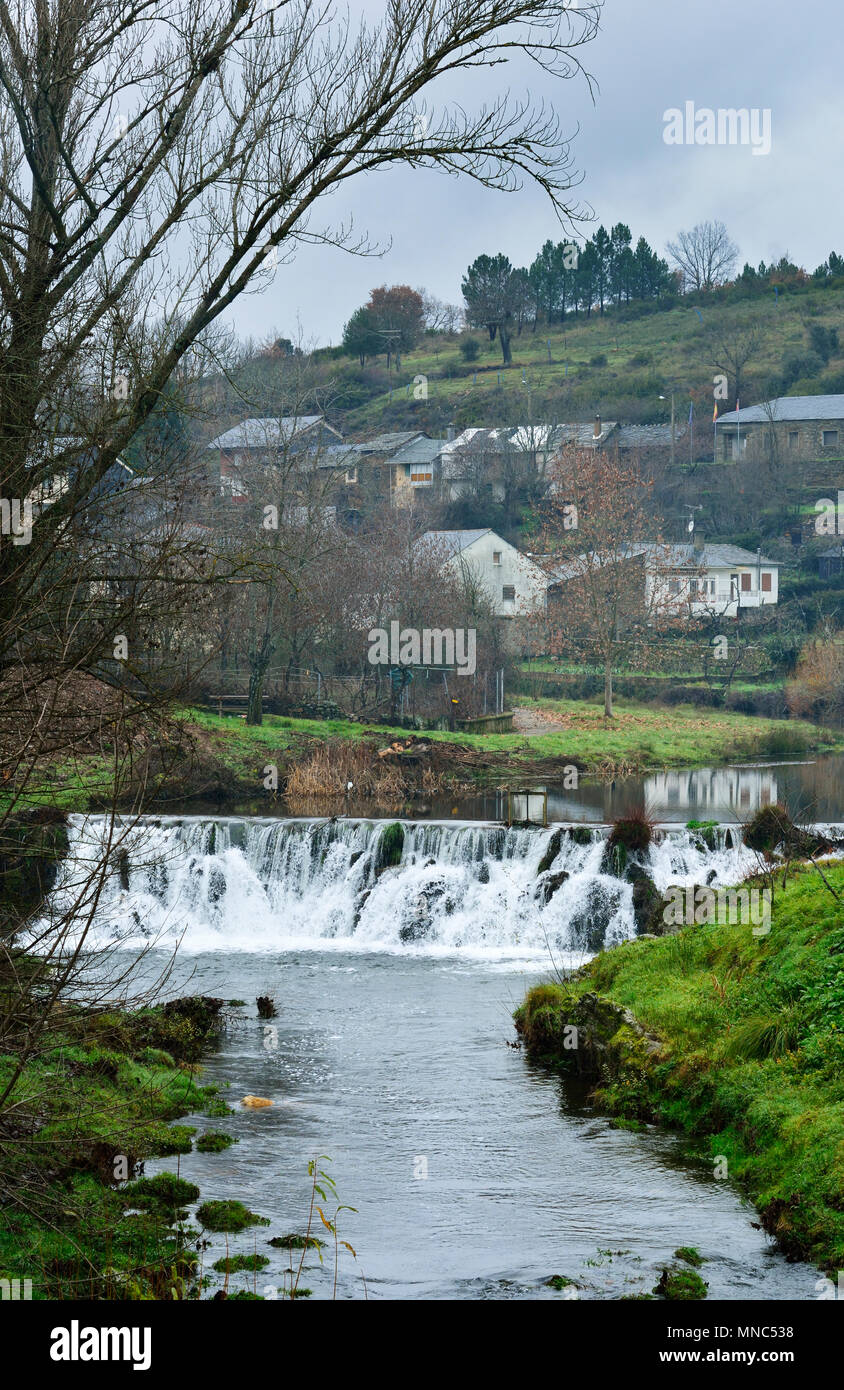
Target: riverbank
(222, 759)
(734, 1039)
(94, 1100)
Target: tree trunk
(255, 703)
(608, 691)
(504, 338)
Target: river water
(474, 1175)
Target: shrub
(633, 832)
(470, 349)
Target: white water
(248, 884)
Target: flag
(715, 414)
(691, 412)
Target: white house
(516, 585)
(695, 579)
(713, 579)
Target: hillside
(617, 366)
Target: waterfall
(435, 888)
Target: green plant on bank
(748, 1057)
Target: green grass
(642, 355)
(92, 1104)
(752, 1065)
(641, 737)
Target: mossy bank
(97, 1098)
(734, 1038)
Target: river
(474, 1175)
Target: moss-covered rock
(213, 1141)
(228, 1216)
(388, 850)
(681, 1285)
(235, 1264)
(588, 1034)
(772, 828)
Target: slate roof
(476, 442)
(387, 443)
(264, 433)
(788, 408)
(422, 450)
(456, 541)
(678, 555)
(649, 436)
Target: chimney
(698, 541)
(449, 434)
(596, 432)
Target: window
(420, 479)
(496, 557)
(793, 438)
(829, 439)
(673, 586)
(745, 583)
(766, 581)
(508, 593)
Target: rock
(552, 849)
(388, 850)
(549, 886)
(772, 828)
(647, 902)
(580, 834)
(266, 1006)
(255, 1102)
(589, 924)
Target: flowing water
(396, 962)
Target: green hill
(617, 365)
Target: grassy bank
(95, 1100)
(224, 759)
(736, 1040)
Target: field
(224, 759)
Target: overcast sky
(650, 55)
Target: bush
(470, 349)
(800, 364)
(633, 832)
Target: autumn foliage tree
(597, 516)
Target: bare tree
(705, 256)
(730, 347)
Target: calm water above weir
(474, 1174)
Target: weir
(439, 888)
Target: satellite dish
(691, 525)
